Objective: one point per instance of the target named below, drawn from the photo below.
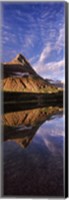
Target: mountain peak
(20, 58)
(19, 65)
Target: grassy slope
(28, 84)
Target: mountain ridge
(19, 76)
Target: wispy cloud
(60, 43)
(29, 41)
(43, 56)
(52, 69)
(45, 53)
(37, 31)
(56, 67)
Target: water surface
(33, 152)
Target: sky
(36, 30)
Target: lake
(33, 152)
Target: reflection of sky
(51, 133)
(41, 162)
(55, 126)
(37, 31)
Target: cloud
(32, 59)
(52, 66)
(53, 47)
(6, 27)
(60, 43)
(28, 41)
(55, 65)
(52, 69)
(18, 12)
(43, 56)
(38, 34)
(45, 53)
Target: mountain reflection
(21, 126)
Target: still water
(33, 152)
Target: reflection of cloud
(52, 136)
(54, 132)
(48, 129)
(49, 144)
(53, 140)
(54, 144)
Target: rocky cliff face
(19, 76)
(18, 67)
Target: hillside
(57, 83)
(19, 76)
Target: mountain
(19, 76)
(56, 83)
(18, 67)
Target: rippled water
(33, 152)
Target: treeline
(25, 97)
(20, 96)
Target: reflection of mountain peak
(22, 126)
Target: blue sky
(37, 31)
